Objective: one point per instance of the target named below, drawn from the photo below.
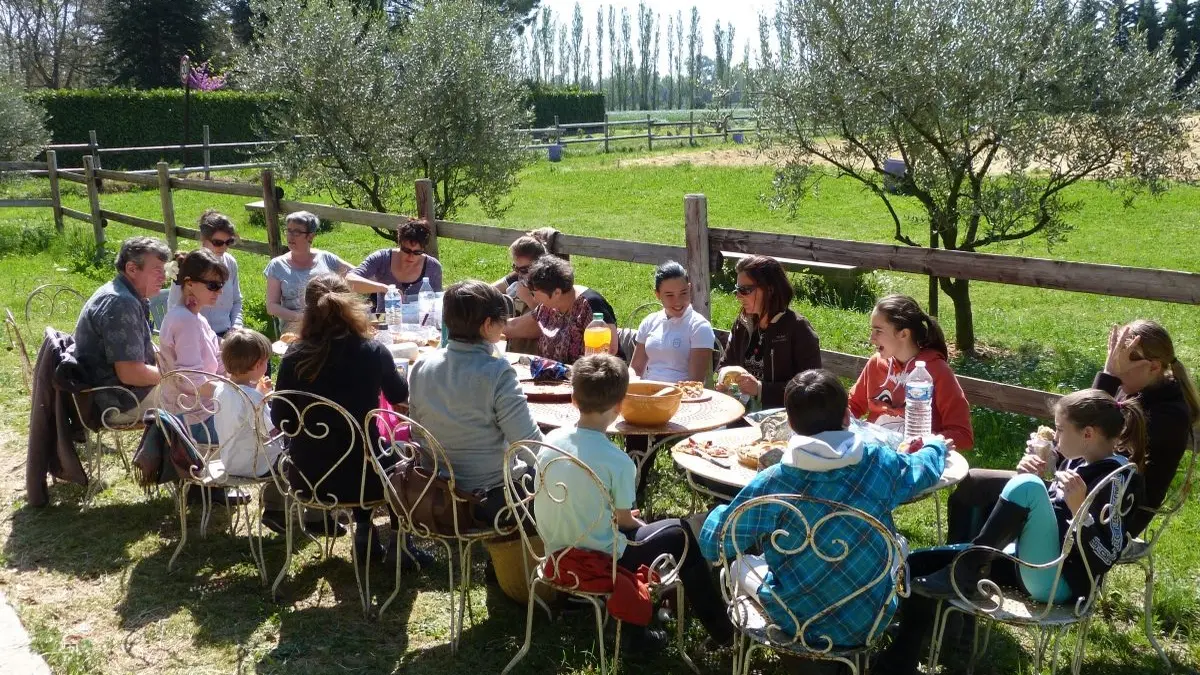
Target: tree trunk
(959, 292)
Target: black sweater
(1168, 431)
(1101, 543)
(354, 374)
(790, 346)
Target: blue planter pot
(555, 153)
(739, 138)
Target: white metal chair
(310, 418)
(113, 409)
(1014, 607)
(461, 537)
(798, 528)
(46, 300)
(1140, 551)
(188, 399)
(17, 342)
(524, 493)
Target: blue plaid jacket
(880, 482)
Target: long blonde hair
(1155, 345)
(331, 311)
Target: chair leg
(528, 628)
(454, 626)
(364, 589)
(680, 621)
(399, 544)
(1148, 612)
(1054, 649)
(978, 649)
(600, 634)
(940, 613)
(254, 535)
(287, 550)
(183, 528)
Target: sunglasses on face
(522, 270)
(410, 251)
(222, 243)
(744, 290)
(213, 286)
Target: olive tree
(372, 107)
(22, 124)
(996, 107)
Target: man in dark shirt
(112, 336)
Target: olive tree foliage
(375, 108)
(996, 107)
(22, 124)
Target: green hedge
(126, 117)
(570, 105)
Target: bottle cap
(920, 364)
(597, 316)
(424, 280)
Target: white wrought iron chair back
(1140, 550)
(193, 398)
(826, 533)
(422, 447)
(48, 301)
(304, 418)
(530, 493)
(16, 342)
(113, 409)
(1049, 619)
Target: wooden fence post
(649, 133)
(271, 211)
(207, 153)
(94, 151)
(55, 195)
(168, 205)
(691, 128)
(427, 209)
(606, 132)
(695, 214)
(89, 172)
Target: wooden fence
(568, 134)
(702, 255)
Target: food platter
(546, 392)
(693, 392)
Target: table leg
(937, 507)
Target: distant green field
(212, 615)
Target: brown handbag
(429, 502)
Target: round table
(717, 410)
(727, 470)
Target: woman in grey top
(288, 274)
(217, 234)
(469, 398)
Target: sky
(742, 13)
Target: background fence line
(703, 254)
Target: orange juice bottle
(596, 336)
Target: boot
(1003, 527)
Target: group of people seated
(1142, 410)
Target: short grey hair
(134, 250)
(308, 220)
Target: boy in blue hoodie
(826, 461)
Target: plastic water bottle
(918, 402)
(427, 305)
(597, 336)
(391, 306)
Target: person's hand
(721, 387)
(264, 385)
(948, 442)
(1123, 358)
(749, 385)
(1031, 463)
(1073, 489)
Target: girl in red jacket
(902, 334)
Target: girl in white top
(675, 344)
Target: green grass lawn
(93, 585)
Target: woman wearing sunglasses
(403, 267)
(217, 234)
(770, 341)
(186, 339)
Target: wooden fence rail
(701, 254)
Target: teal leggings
(1040, 541)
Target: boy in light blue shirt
(584, 518)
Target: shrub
(569, 103)
(124, 118)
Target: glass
(222, 243)
(744, 290)
(213, 286)
(411, 251)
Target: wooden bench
(842, 277)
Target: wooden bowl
(642, 408)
